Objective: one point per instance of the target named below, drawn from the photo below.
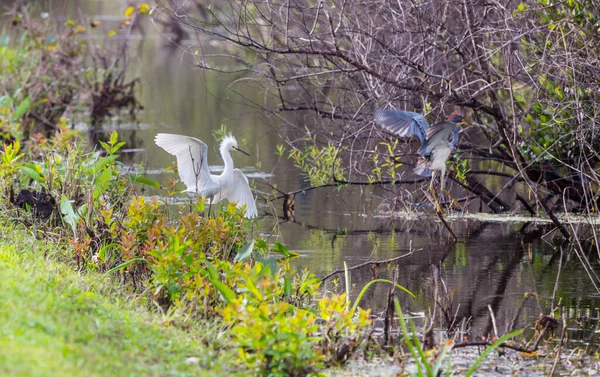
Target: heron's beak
(465, 122)
(239, 150)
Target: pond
(498, 267)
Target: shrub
(274, 338)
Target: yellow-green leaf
(32, 173)
(129, 12)
(144, 9)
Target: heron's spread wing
(454, 141)
(436, 136)
(191, 154)
(240, 192)
(402, 123)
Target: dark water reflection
(491, 265)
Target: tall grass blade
(347, 277)
(408, 338)
(419, 348)
(490, 348)
(125, 264)
(144, 181)
(21, 109)
(369, 284)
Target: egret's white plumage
(191, 154)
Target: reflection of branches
(369, 263)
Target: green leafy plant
(461, 168)
(320, 165)
(432, 364)
(274, 338)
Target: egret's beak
(239, 150)
(464, 122)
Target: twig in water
(370, 263)
(562, 336)
(493, 321)
(389, 311)
(441, 216)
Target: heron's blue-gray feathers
(436, 134)
(240, 192)
(423, 168)
(191, 154)
(402, 123)
(454, 141)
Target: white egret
(192, 163)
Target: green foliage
(319, 164)
(277, 338)
(347, 328)
(90, 188)
(460, 167)
(184, 255)
(385, 163)
(274, 339)
(10, 162)
(562, 111)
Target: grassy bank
(56, 322)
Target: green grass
(57, 322)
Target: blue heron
(192, 164)
(435, 147)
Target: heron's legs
(442, 178)
(453, 201)
(435, 198)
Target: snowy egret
(435, 147)
(192, 163)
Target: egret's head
(229, 142)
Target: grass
(56, 322)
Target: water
(492, 266)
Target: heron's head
(229, 142)
(457, 118)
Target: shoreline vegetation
(99, 281)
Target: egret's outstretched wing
(240, 192)
(402, 123)
(191, 154)
(436, 135)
